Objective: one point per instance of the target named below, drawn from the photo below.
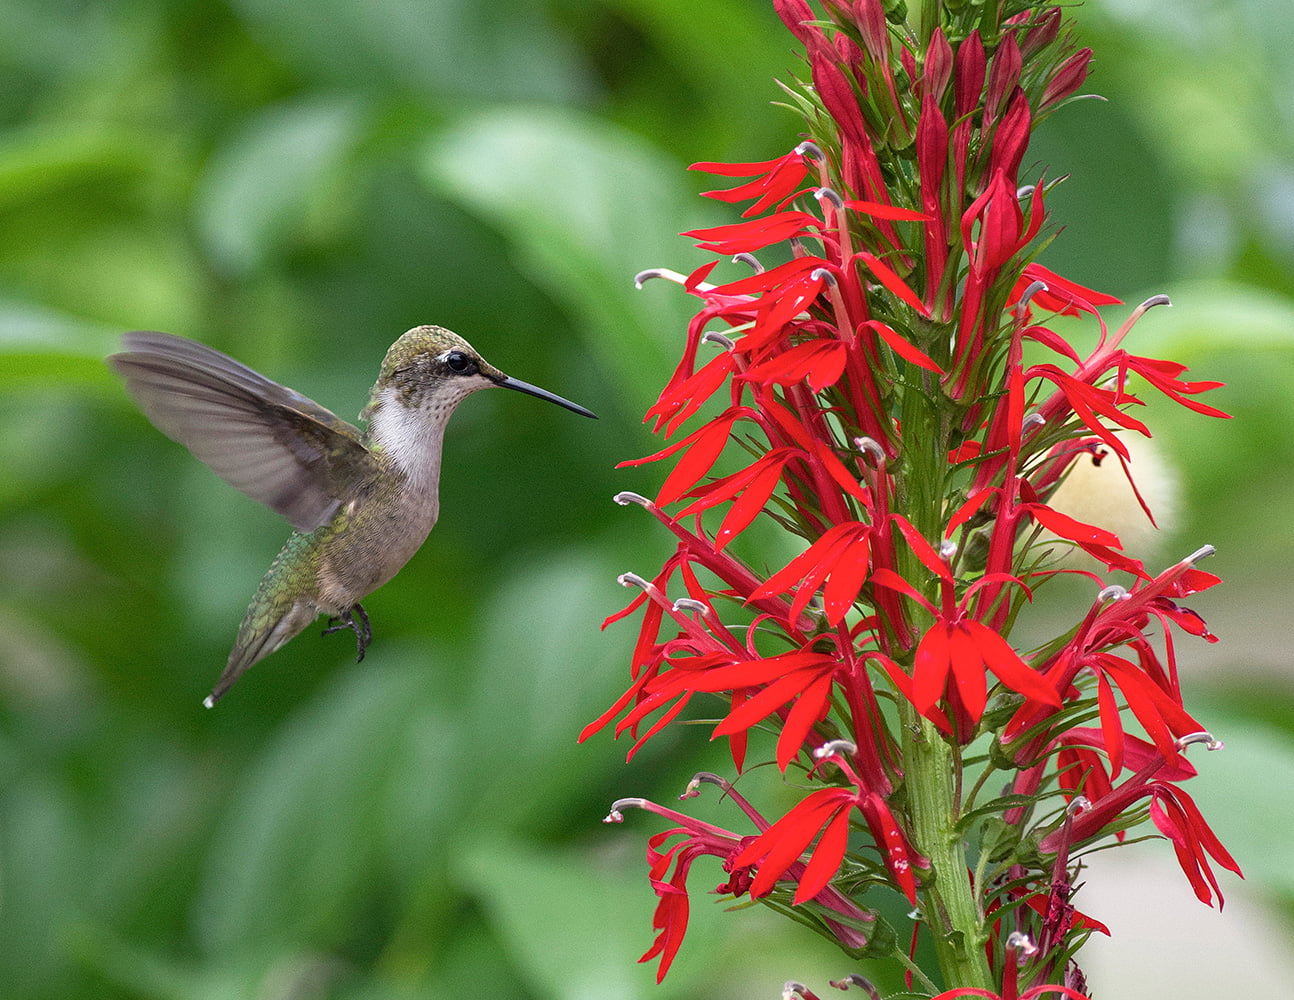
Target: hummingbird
(361, 502)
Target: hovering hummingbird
(362, 502)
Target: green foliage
(299, 183)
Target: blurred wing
(274, 444)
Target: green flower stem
(949, 906)
(931, 763)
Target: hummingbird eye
(460, 363)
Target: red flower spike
(911, 229)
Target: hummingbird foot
(355, 619)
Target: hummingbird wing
(265, 439)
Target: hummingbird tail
(263, 631)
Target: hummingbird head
(424, 376)
(433, 369)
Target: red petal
(750, 502)
(968, 670)
(902, 348)
(707, 444)
(930, 667)
(848, 574)
(879, 211)
(809, 709)
(827, 856)
(892, 282)
(1006, 664)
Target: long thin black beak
(508, 382)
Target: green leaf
(302, 844)
(1225, 792)
(573, 925)
(261, 185)
(40, 345)
(585, 203)
(450, 48)
(543, 673)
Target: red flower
(1171, 810)
(669, 867)
(839, 559)
(774, 180)
(825, 814)
(957, 652)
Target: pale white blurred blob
(1100, 495)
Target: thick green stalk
(930, 763)
(948, 907)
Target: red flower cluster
(875, 378)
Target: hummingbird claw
(355, 619)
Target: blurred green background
(297, 184)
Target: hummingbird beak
(508, 382)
